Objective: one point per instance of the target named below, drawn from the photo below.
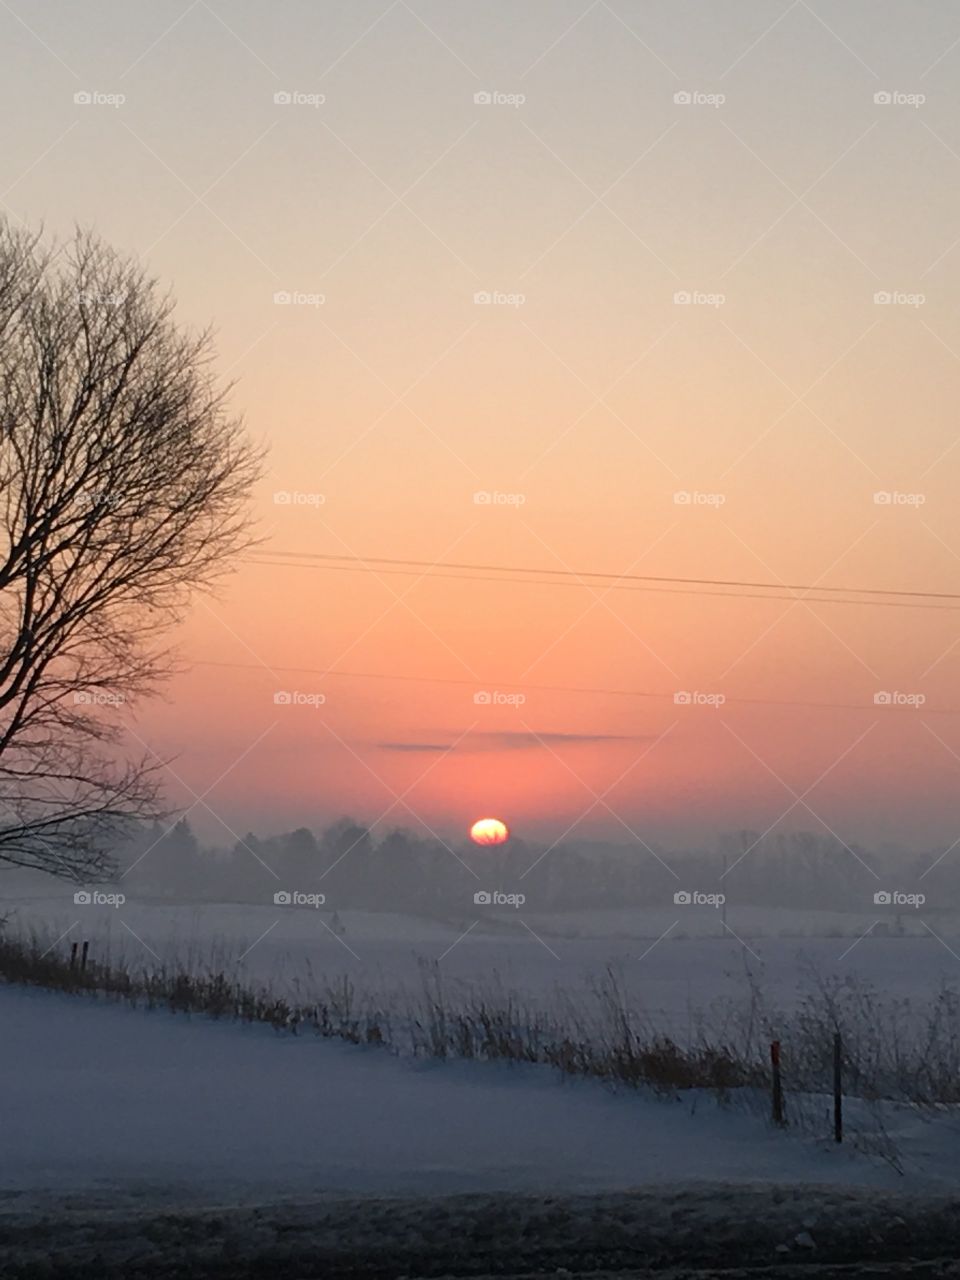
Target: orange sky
(598, 199)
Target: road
(695, 1230)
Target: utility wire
(730, 589)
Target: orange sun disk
(489, 831)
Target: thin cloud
(514, 740)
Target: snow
(693, 965)
(103, 1097)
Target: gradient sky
(598, 198)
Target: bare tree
(123, 487)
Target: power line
(541, 688)
(729, 588)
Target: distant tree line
(400, 870)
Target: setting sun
(489, 831)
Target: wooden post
(778, 1114)
(83, 956)
(837, 1087)
(73, 956)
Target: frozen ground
(675, 1233)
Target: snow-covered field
(102, 1098)
(671, 963)
(150, 1105)
(130, 1136)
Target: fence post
(83, 956)
(778, 1115)
(837, 1087)
(73, 956)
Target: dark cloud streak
(514, 740)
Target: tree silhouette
(123, 487)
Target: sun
(489, 831)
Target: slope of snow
(99, 1097)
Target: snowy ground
(142, 1144)
(98, 1096)
(673, 964)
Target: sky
(719, 247)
